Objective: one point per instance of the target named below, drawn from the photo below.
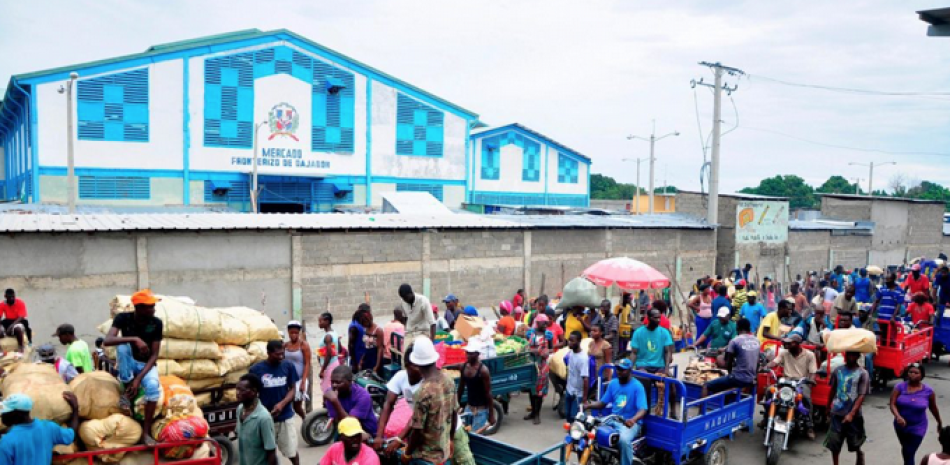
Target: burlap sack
(181, 320)
(199, 369)
(207, 383)
(98, 394)
(579, 292)
(234, 376)
(169, 368)
(42, 384)
(851, 340)
(233, 358)
(113, 432)
(188, 349)
(260, 327)
(257, 351)
(234, 330)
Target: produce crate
(449, 356)
(520, 340)
(442, 336)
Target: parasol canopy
(626, 273)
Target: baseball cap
(470, 310)
(144, 297)
(423, 352)
(542, 318)
(794, 337)
(350, 427)
(474, 346)
(46, 352)
(16, 403)
(64, 328)
(723, 312)
(294, 324)
(752, 294)
(741, 282)
(450, 298)
(625, 364)
(916, 267)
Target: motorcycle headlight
(577, 431)
(786, 395)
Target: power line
(848, 90)
(845, 147)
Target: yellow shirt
(571, 324)
(773, 322)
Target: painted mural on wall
(762, 221)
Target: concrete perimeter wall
(71, 277)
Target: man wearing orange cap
(137, 351)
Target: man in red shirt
(920, 310)
(916, 281)
(664, 321)
(13, 319)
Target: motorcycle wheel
(317, 428)
(774, 452)
(717, 454)
(499, 415)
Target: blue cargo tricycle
(679, 427)
(941, 344)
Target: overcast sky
(588, 73)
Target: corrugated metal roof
(829, 225)
(104, 222)
(738, 195)
(880, 199)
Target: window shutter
(114, 107)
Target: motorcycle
(784, 417)
(595, 442)
(317, 428)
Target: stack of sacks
(113, 432)
(183, 420)
(42, 383)
(208, 347)
(98, 394)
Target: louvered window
(114, 107)
(114, 188)
(419, 128)
(491, 161)
(435, 189)
(566, 169)
(229, 97)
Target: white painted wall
(268, 92)
(385, 160)
(162, 152)
(510, 179)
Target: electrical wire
(735, 109)
(847, 90)
(845, 147)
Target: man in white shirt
(420, 321)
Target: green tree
(930, 191)
(838, 185)
(606, 188)
(800, 194)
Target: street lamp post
(70, 135)
(871, 173)
(653, 140)
(636, 192)
(254, 191)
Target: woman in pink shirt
(398, 326)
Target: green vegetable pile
(509, 346)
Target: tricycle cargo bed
(488, 451)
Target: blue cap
(16, 402)
(470, 310)
(450, 298)
(625, 364)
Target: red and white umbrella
(626, 273)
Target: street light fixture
(70, 131)
(652, 140)
(636, 198)
(254, 190)
(871, 173)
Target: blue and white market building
(175, 126)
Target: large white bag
(851, 340)
(180, 320)
(579, 292)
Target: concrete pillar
(296, 277)
(527, 263)
(141, 261)
(426, 265)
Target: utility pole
(254, 190)
(70, 135)
(636, 192)
(857, 184)
(652, 140)
(712, 213)
(871, 173)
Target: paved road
(882, 446)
